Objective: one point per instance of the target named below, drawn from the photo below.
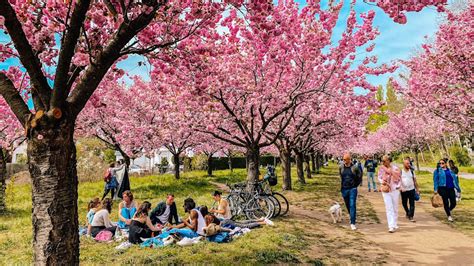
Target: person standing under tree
(351, 177)
(445, 182)
(370, 164)
(409, 189)
(110, 181)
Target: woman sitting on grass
(127, 209)
(141, 226)
(92, 208)
(101, 220)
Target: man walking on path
(370, 164)
(351, 177)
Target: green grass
(463, 213)
(306, 237)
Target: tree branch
(14, 100)
(28, 58)
(68, 45)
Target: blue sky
(395, 41)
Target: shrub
(460, 155)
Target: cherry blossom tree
(440, 78)
(396, 9)
(273, 58)
(80, 41)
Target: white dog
(336, 212)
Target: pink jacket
(393, 176)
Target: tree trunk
(417, 161)
(422, 157)
(229, 161)
(209, 165)
(299, 167)
(307, 166)
(431, 152)
(52, 165)
(3, 178)
(313, 163)
(176, 165)
(253, 162)
(318, 163)
(286, 168)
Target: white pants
(391, 207)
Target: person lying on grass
(193, 225)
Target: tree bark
(286, 168)
(209, 164)
(299, 167)
(3, 178)
(52, 165)
(253, 162)
(307, 166)
(417, 161)
(318, 163)
(313, 163)
(176, 165)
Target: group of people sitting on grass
(139, 222)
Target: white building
(19, 152)
(148, 163)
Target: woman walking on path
(445, 182)
(389, 178)
(110, 181)
(409, 189)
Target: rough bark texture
(307, 168)
(209, 165)
(286, 169)
(52, 165)
(3, 177)
(299, 167)
(253, 162)
(176, 165)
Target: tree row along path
(428, 241)
(462, 175)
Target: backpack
(355, 169)
(107, 176)
(104, 236)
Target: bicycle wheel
(259, 207)
(284, 205)
(236, 204)
(276, 204)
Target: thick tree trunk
(431, 152)
(299, 167)
(313, 163)
(286, 168)
(253, 162)
(209, 165)
(416, 160)
(3, 178)
(52, 165)
(176, 165)
(307, 166)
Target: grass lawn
(464, 211)
(307, 235)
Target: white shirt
(407, 180)
(166, 214)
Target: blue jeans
(127, 214)
(371, 178)
(350, 199)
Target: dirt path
(428, 241)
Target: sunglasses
(442, 163)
